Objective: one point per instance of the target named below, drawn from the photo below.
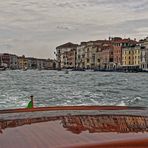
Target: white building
(13, 61)
(80, 56)
(60, 53)
(144, 54)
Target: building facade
(13, 62)
(90, 56)
(144, 44)
(32, 63)
(118, 44)
(61, 55)
(71, 59)
(5, 60)
(80, 56)
(131, 57)
(107, 57)
(22, 62)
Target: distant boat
(78, 69)
(66, 71)
(25, 69)
(2, 68)
(2, 65)
(39, 69)
(145, 70)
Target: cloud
(37, 26)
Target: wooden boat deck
(71, 108)
(74, 127)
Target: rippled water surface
(76, 88)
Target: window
(87, 60)
(111, 60)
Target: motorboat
(74, 127)
(2, 65)
(2, 68)
(66, 71)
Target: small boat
(25, 69)
(2, 65)
(2, 68)
(78, 69)
(74, 127)
(66, 71)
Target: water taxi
(74, 127)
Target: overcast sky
(36, 27)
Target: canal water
(52, 88)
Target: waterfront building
(42, 64)
(107, 57)
(22, 62)
(60, 53)
(32, 63)
(118, 44)
(98, 55)
(98, 50)
(90, 56)
(144, 56)
(117, 52)
(5, 59)
(131, 57)
(80, 56)
(69, 58)
(51, 64)
(13, 62)
(144, 52)
(46, 63)
(103, 52)
(9, 60)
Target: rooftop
(67, 45)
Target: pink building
(118, 43)
(107, 57)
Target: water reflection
(92, 123)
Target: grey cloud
(63, 27)
(129, 27)
(128, 4)
(39, 25)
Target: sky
(35, 28)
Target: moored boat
(2, 68)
